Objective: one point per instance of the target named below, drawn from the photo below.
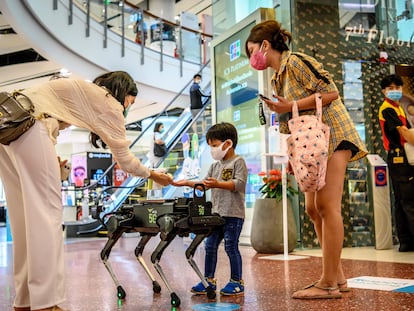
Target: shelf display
(360, 227)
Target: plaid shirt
(295, 80)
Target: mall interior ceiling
(29, 66)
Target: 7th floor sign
(373, 34)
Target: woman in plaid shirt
(297, 77)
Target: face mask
(161, 130)
(126, 110)
(258, 60)
(394, 95)
(217, 153)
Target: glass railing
(169, 38)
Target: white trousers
(30, 173)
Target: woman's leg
(39, 172)
(15, 210)
(330, 228)
(316, 218)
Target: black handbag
(159, 150)
(15, 119)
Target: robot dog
(169, 218)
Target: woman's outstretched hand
(180, 183)
(161, 178)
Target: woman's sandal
(343, 287)
(331, 292)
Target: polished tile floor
(269, 283)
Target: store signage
(394, 13)
(373, 34)
(380, 176)
(99, 155)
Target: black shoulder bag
(159, 150)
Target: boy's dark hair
(390, 79)
(197, 75)
(222, 131)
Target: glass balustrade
(170, 38)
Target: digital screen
(79, 172)
(236, 81)
(98, 162)
(96, 174)
(236, 88)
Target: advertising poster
(78, 173)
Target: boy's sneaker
(199, 289)
(233, 288)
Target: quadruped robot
(169, 218)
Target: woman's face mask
(129, 100)
(217, 153)
(258, 59)
(394, 95)
(126, 110)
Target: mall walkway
(269, 283)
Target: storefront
(358, 42)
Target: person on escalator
(196, 102)
(156, 139)
(35, 208)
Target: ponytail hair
(119, 84)
(271, 31)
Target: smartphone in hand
(263, 97)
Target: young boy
(227, 178)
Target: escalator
(111, 198)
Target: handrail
(132, 181)
(165, 21)
(144, 131)
(132, 9)
(168, 105)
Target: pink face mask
(258, 59)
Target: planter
(267, 227)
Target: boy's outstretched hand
(210, 182)
(180, 183)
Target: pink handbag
(308, 147)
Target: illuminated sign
(380, 176)
(235, 50)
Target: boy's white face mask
(217, 153)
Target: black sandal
(330, 292)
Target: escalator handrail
(168, 106)
(125, 190)
(144, 131)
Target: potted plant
(272, 185)
(267, 224)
